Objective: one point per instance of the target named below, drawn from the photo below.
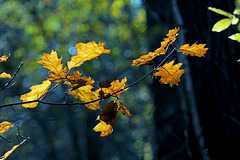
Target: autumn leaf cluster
(170, 73)
(84, 88)
(81, 87)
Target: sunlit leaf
(124, 109)
(5, 75)
(235, 20)
(85, 94)
(57, 77)
(9, 152)
(4, 126)
(87, 51)
(222, 25)
(235, 37)
(36, 92)
(4, 58)
(236, 11)
(78, 81)
(170, 74)
(219, 11)
(194, 50)
(116, 88)
(146, 59)
(105, 129)
(52, 62)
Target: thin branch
(18, 136)
(159, 65)
(84, 103)
(12, 77)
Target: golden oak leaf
(194, 50)
(5, 75)
(52, 62)
(85, 94)
(105, 129)
(57, 77)
(108, 116)
(109, 113)
(172, 34)
(146, 59)
(4, 126)
(85, 52)
(116, 86)
(170, 74)
(123, 109)
(78, 81)
(9, 152)
(36, 92)
(4, 58)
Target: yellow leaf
(4, 58)
(85, 94)
(9, 152)
(57, 77)
(124, 109)
(170, 74)
(4, 126)
(78, 81)
(51, 62)
(115, 86)
(194, 50)
(87, 51)
(145, 59)
(5, 75)
(36, 92)
(105, 129)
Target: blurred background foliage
(30, 27)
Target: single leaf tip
(4, 126)
(235, 37)
(198, 50)
(5, 75)
(85, 52)
(37, 91)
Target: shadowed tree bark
(200, 117)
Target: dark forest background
(199, 119)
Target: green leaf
(219, 11)
(235, 20)
(236, 11)
(222, 25)
(235, 37)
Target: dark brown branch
(9, 82)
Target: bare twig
(9, 82)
